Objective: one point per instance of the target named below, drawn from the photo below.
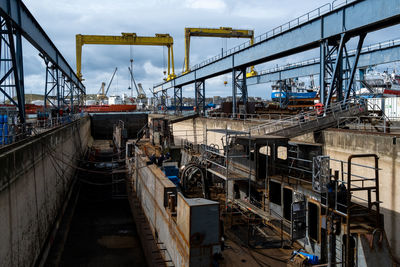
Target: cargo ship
(109, 108)
(115, 104)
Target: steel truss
(200, 96)
(178, 100)
(337, 74)
(11, 67)
(164, 97)
(239, 89)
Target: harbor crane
(222, 32)
(126, 39)
(102, 94)
(139, 89)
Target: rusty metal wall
(175, 232)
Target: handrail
(372, 47)
(304, 117)
(11, 133)
(316, 13)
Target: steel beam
(353, 19)
(353, 69)
(23, 21)
(200, 96)
(178, 100)
(382, 53)
(239, 87)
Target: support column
(322, 71)
(51, 83)
(200, 100)
(337, 78)
(234, 94)
(353, 69)
(239, 86)
(12, 65)
(178, 101)
(164, 97)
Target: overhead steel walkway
(371, 55)
(329, 28)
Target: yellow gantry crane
(126, 39)
(222, 32)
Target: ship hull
(109, 108)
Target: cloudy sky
(63, 19)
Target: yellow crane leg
(172, 75)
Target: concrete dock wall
(35, 177)
(340, 144)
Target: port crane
(126, 39)
(102, 94)
(139, 89)
(222, 32)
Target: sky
(63, 19)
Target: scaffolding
(219, 161)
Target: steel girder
(200, 96)
(51, 86)
(239, 88)
(353, 19)
(178, 100)
(18, 15)
(11, 64)
(337, 74)
(164, 97)
(382, 53)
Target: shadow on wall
(102, 124)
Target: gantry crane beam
(126, 39)
(222, 32)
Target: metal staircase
(311, 121)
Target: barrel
(5, 133)
(1, 130)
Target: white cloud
(152, 70)
(61, 20)
(217, 5)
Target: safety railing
(369, 48)
(318, 12)
(13, 132)
(303, 118)
(246, 116)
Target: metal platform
(230, 175)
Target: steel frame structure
(11, 62)
(375, 54)
(126, 39)
(317, 29)
(199, 96)
(16, 22)
(178, 100)
(239, 89)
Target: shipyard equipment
(102, 95)
(222, 32)
(126, 39)
(139, 89)
(300, 35)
